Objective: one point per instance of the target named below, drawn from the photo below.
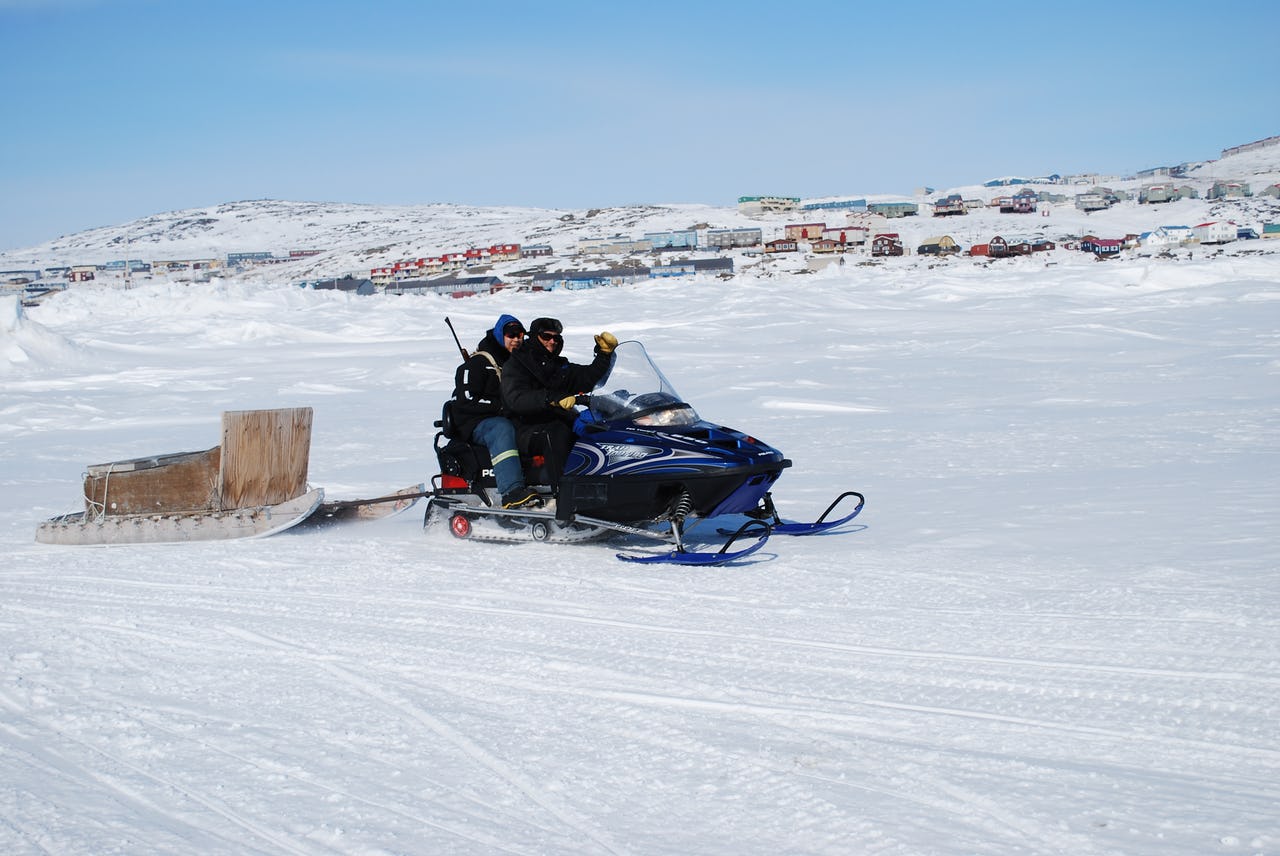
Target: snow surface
(1055, 632)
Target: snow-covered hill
(354, 238)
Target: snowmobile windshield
(634, 390)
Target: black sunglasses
(550, 337)
(513, 330)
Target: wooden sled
(253, 484)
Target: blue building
(346, 283)
(836, 205)
(574, 280)
(689, 267)
(454, 286)
(238, 259)
(135, 266)
(727, 239)
(683, 240)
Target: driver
(539, 388)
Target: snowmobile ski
(822, 524)
(723, 556)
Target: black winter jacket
(477, 386)
(534, 378)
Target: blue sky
(116, 109)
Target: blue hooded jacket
(477, 390)
(502, 322)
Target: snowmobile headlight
(627, 452)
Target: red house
(887, 244)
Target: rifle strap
(488, 356)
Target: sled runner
(82, 528)
(644, 464)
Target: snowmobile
(643, 464)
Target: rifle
(465, 355)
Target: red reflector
(447, 481)
(539, 460)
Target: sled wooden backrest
(265, 454)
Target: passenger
(540, 387)
(479, 415)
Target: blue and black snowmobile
(644, 464)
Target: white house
(1169, 236)
(872, 223)
(847, 234)
(1216, 232)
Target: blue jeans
(499, 436)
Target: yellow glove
(565, 403)
(606, 342)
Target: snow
(1055, 631)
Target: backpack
(446, 423)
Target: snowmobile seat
(471, 461)
(464, 459)
(445, 422)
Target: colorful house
(1102, 247)
(949, 206)
(887, 244)
(943, 245)
(1022, 202)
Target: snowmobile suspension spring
(682, 506)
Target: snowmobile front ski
(723, 556)
(822, 524)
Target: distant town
(825, 227)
